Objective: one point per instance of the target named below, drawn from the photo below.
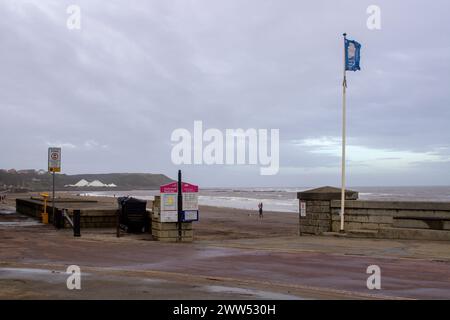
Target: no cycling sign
(54, 159)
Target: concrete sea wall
(90, 217)
(375, 219)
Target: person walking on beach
(260, 207)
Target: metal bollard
(76, 223)
(44, 214)
(58, 219)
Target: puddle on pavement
(52, 276)
(148, 280)
(5, 212)
(251, 293)
(19, 223)
(31, 274)
(216, 252)
(14, 219)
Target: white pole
(344, 86)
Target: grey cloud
(137, 71)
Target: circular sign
(54, 156)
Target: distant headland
(39, 180)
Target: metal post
(118, 223)
(53, 198)
(180, 205)
(299, 223)
(344, 87)
(76, 223)
(45, 214)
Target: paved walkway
(34, 258)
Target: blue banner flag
(352, 55)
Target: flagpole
(344, 87)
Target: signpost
(54, 165)
(179, 202)
(180, 205)
(54, 159)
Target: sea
(285, 199)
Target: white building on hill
(96, 184)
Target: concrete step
(395, 233)
(414, 233)
(422, 224)
(362, 233)
(422, 214)
(334, 234)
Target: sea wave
(285, 199)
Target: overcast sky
(112, 92)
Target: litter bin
(132, 214)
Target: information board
(189, 215)
(302, 209)
(169, 202)
(169, 216)
(190, 201)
